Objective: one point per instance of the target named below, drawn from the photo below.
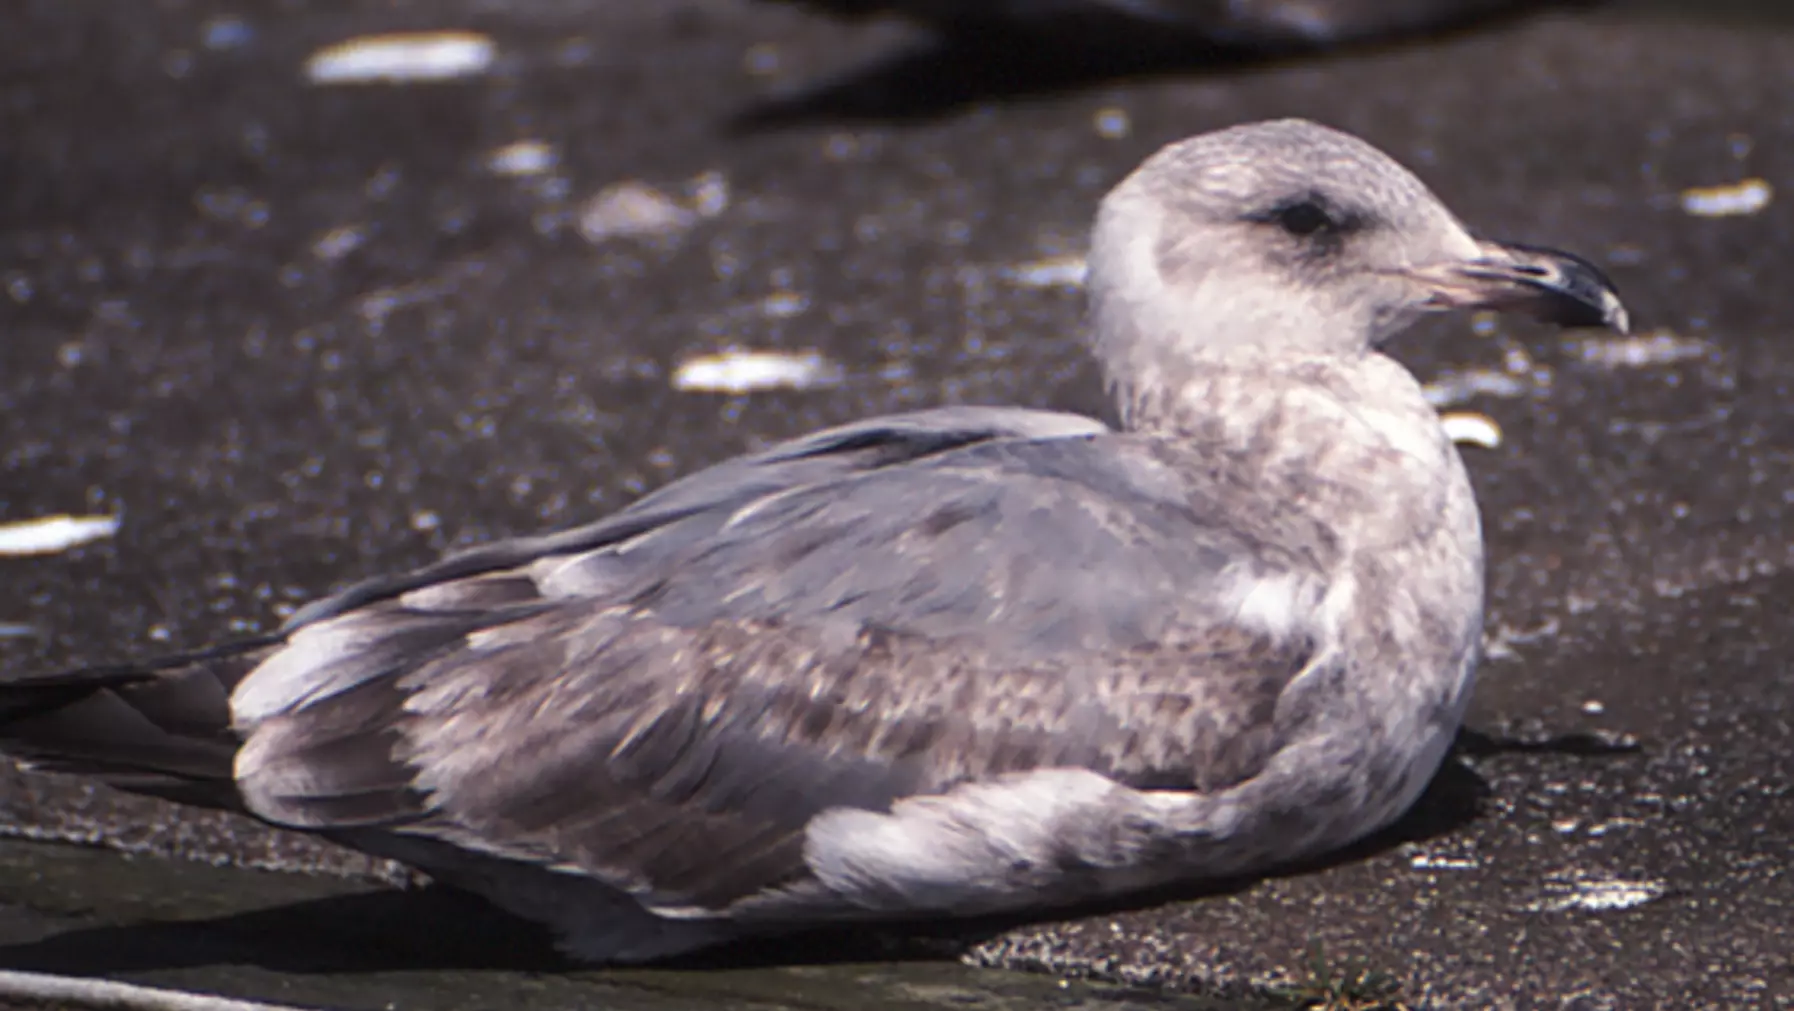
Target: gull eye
(1304, 217)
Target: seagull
(956, 662)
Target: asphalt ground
(294, 333)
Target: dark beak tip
(1572, 291)
(1599, 309)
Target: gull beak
(1545, 284)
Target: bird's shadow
(969, 62)
(438, 928)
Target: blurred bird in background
(1246, 24)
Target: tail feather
(161, 728)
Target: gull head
(1287, 237)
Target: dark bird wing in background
(1244, 23)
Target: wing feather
(666, 699)
(699, 790)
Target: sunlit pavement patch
(1659, 347)
(1596, 894)
(1457, 387)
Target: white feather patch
(985, 846)
(1277, 605)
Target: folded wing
(665, 700)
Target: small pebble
(338, 242)
(633, 210)
(522, 158)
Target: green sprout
(1349, 985)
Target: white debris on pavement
(1465, 427)
(1745, 197)
(376, 306)
(785, 304)
(1597, 895)
(1500, 640)
(1600, 829)
(636, 210)
(1659, 347)
(338, 242)
(709, 194)
(16, 630)
(1431, 862)
(401, 58)
(1051, 272)
(48, 535)
(523, 158)
(1454, 388)
(736, 370)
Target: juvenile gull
(945, 663)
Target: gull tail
(161, 728)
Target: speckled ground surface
(297, 334)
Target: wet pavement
(296, 333)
